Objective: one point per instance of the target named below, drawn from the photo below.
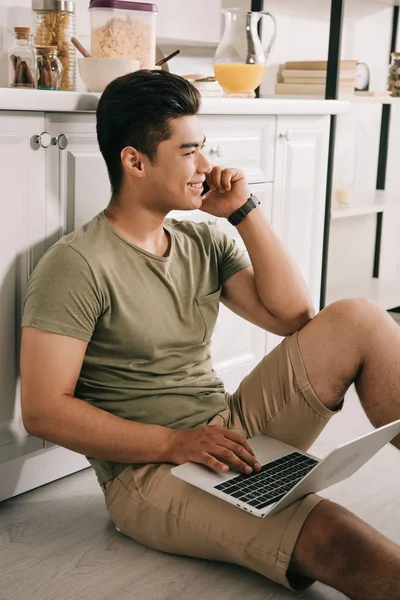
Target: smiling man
(116, 365)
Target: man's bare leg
(351, 341)
(355, 341)
(340, 550)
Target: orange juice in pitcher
(239, 79)
(240, 59)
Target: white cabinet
(22, 164)
(299, 195)
(77, 183)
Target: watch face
(362, 79)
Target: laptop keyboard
(276, 478)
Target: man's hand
(213, 446)
(229, 190)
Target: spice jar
(50, 69)
(22, 60)
(394, 75)
(55, 25)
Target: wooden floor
(57, 543)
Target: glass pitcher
(240, 60)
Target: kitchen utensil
(240, 60)
(167, 58)
(80, 48)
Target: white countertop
(48, 101)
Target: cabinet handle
(61, 141)
(286, 135)
(43, 140)
(217, 150)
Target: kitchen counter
(47, 101)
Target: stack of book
(309, 78)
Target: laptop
(287, 473)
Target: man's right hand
(214, 446)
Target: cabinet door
(298, 205)
(22, 234)
(76, 177)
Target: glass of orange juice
(240, 60)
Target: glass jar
(122, 29)
(394, 75)
(50, 69)
(55, 25)
(22, 60)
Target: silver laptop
(287, 474)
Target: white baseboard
(33, 470)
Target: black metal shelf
(331, 93)
(336, 26)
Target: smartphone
(206, 188)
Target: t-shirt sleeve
(62, 295)
(231, 257)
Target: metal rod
(378, 239)
(395, 23)
(257, 6)
(327, 219)
(331, 93)
(383, 147)
(383, 151)
(335, 42)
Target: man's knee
(353, 312)
(329, 542)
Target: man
(115, 356)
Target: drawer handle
(43, 140)
(61, 141)
(286, 135)
(217, 151)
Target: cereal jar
(121, 29)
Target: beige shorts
(162, 512)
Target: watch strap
(237, 217)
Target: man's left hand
(229, 190)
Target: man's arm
(50, 367)
(272, 293)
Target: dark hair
(135, 109)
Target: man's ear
(132, 162)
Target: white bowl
(97, 73)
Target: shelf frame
(331, 93)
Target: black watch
(237, 217)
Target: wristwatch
(237, 217)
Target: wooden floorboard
(57, 542)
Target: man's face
(174, 179)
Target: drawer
(263, 191)
(245, 142)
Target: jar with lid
(394, 75)
(122, 29)
(50, 69)
(55, 25)
(22, 60)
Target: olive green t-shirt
(147, 319)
